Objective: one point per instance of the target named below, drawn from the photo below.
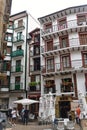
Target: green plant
(33, 83)
(39, 82)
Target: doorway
(64, 108)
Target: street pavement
(34, 126)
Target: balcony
(18, 27)
(72, 24)
(35, 69)
(57, 47)
(73, 66)
(19, 39)
(16, 86)
(17, 69)
(4, 88)
(34, 86)
(67, 88)
(17, 53)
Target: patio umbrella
(25, 101)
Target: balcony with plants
(49, 86)
(17, 69)
(18, 39)
(17, 53)
(67, 86)
(16, 86)
(34, 86)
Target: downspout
(26, 55)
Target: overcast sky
(39, 8)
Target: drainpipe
(26, 55)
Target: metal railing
(74, 42)
(64, 66)
(16, 86)
(67, 25)
(17, 53)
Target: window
(8, 50)
(37, 38)
(8, 37)
(17, 80)
(50, 64)
(20, 23)
(85, 59)
(37, 64)
(62, 23)
(36, 49)
(19, 34)
(66, 61)
(83, 39)
(81, 19)
(64, 42)
(19, 47)
(49, 45)
(48, 25)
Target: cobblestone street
(34, 126)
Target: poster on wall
(74, 104)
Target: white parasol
(25, 101)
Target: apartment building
(34, 86)
(5, 8)
(64, 56)
(23, 23)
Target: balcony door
(36, 64)
(66, 61)
(49, 45)
(19, 34)
(84, 56)
(50, 64)
(83, 39)
(17, 83)
(20, 23)
(18, 65)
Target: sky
(40, 8)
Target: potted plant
(33, 83)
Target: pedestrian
(26, 116)
(22, 114)
(78, 115)
(10, 115)
(14, 116)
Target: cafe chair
(70, 125)
(60, 125)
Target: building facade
(23, 23)
(34, 89)
(64, 56)
(5, 8)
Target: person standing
(78, 114)
(10, 115)
(26, 114)
(14, 116)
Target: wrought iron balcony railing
(17, 53)
(64, 66)
(74, 42)
(34, 68)
(15, 69)
(16, 86)
(22, 25)
(18, 39)
(67, 25)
